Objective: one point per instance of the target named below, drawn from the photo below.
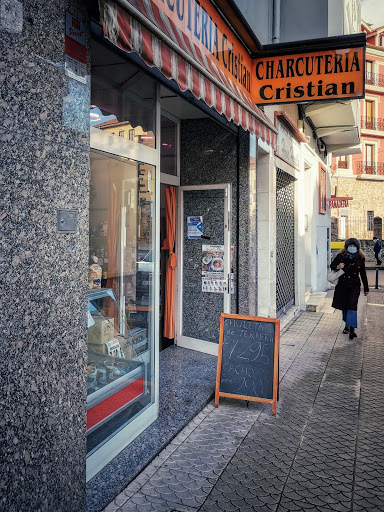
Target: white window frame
(168, 179)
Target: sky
(372, 11)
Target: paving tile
(323, 451)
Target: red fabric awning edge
(130, 35)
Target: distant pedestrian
(352, 260)
(377, 249)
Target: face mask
(352, 250)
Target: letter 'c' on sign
(262, 92)
(258, 65)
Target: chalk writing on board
(247, 358)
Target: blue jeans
(350, 318)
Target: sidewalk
(323, 451)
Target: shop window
(120, 380)
(122, 99)
(370, 217)
(169, 146)
(322, 189)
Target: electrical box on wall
(66, 221)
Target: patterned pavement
(324, 450)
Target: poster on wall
(212, 269)
(195, 227)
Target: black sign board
(248, 362)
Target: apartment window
(369, 154)
(381, 40)
(343, 163)
(369, 108)
(370, 216)
(343, 226)
(369, 67)
(121, 133)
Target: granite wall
(211, 154)
(44, 148)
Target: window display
(122, 99)
(120, 376)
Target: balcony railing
(371, 168)
(372, 123)
(374, 79)
(342, 164)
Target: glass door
(204, 265)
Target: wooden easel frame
(218, 393)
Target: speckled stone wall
(210, 154)
(44, 148)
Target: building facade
(317, 131)
(361, 176)
(143, 194)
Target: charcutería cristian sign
(321, 75)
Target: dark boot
(346, 330)
(352, 333)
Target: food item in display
(126, 346)
(217, 264)
(91, 382)
(94, 278)
(207, 259)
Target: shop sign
(339, 202)
(314, 76)
(201, 24)
(75, 49)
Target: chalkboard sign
(248, 362)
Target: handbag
(333, 275)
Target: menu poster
(212, 269)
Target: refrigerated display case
(116, 370)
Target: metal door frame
(186, 341)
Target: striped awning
(139, 26)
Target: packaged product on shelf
(126, 346)
(102, 330)
(94, 279)
(110, 348)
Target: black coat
(347, 290)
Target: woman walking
(352, 260)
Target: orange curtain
(168, 245)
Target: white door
(204, 266)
